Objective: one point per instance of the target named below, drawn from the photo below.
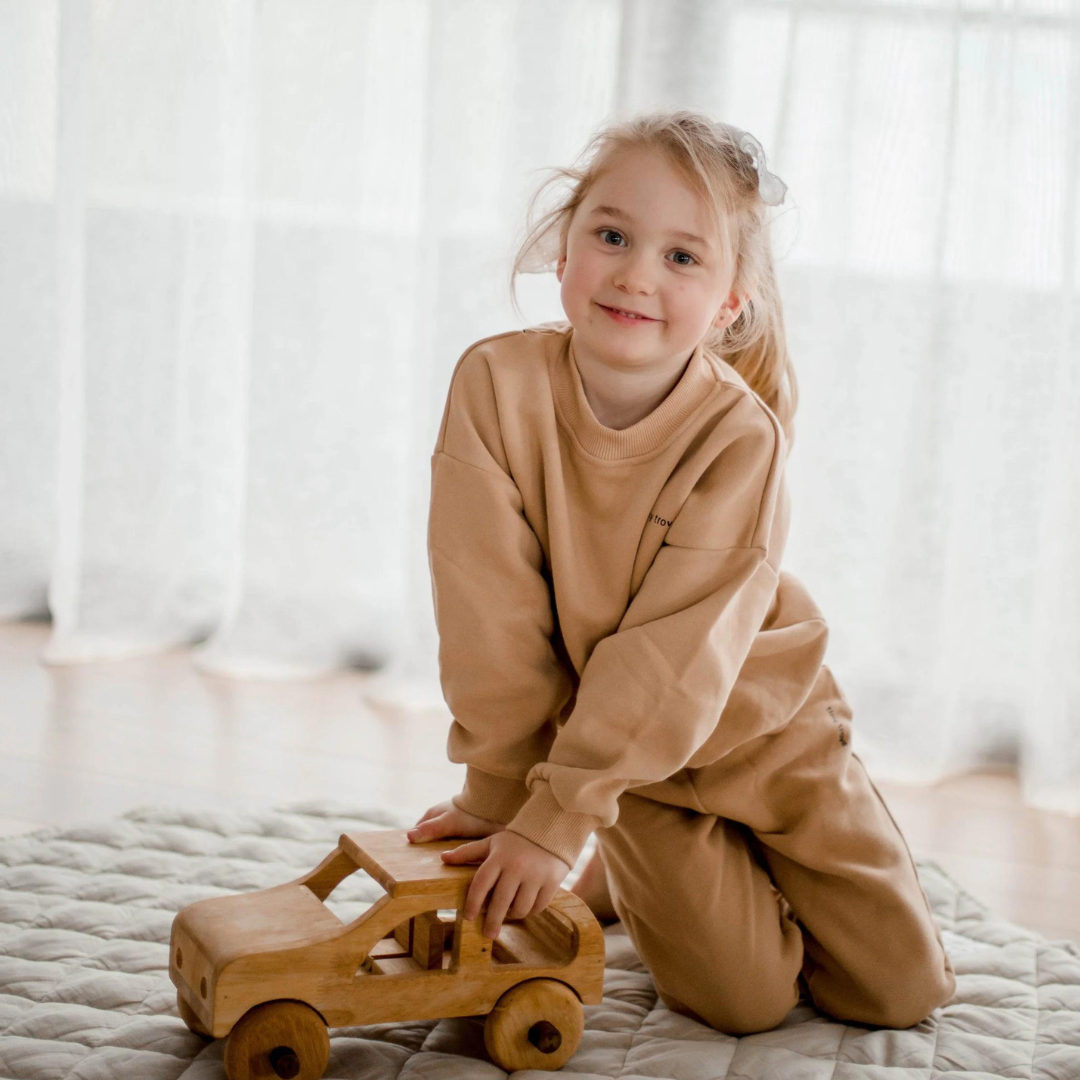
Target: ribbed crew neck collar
(647, 434)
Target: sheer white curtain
(244, 243)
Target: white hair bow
(771, 187)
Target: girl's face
(640, 241)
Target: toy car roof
(406, 869)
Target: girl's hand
(445, 819)
(524, 876)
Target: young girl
(619, 647)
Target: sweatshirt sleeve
(500, 674)
(652, 692)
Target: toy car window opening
(353, 896)
(425, 943)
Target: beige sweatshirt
(610, 603)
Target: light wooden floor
(90, 741)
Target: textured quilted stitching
(85, 915)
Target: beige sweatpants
(777, 864)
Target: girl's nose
(634, 276)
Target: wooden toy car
(273, 969)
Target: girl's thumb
(465, 852)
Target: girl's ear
(726, 315)
(730, 310)
(559, 267)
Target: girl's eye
(615, 232)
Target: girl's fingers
(474, 851)
(431, 828)
(523, 903)
(425, 830)
(505, 890)
(430, 812)
(478, 890)
(543, 898)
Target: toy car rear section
(399, 960)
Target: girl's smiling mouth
(620, 316)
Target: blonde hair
(707, 155)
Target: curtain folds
(246, 242)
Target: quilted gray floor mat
(85, 915)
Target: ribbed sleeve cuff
(543, 821)
(495, 798)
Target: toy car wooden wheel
(536, 1024)
(286, 1039)
(187, 1014)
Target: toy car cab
(272, 970)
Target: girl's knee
(912, 1005)
(908, 999)
(737, 1014)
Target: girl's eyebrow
(615, 212)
